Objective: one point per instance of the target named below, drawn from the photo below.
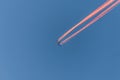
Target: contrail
(94, 20)
(107, 3)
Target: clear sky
(29, 30)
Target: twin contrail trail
(110, 3)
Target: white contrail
(107, 3)
(94, 20)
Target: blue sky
(29, 31)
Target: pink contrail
(107, 3)
(94, 20)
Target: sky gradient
(29, 30)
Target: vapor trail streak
(94, 20)
(107, 3)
